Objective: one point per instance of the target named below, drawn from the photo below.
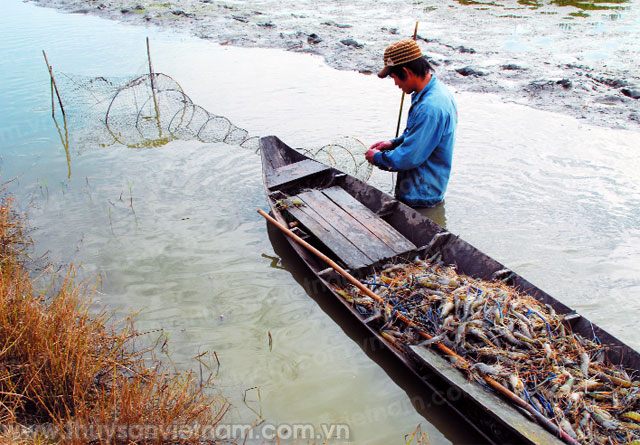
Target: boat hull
(493, 418)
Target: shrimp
(584, 363)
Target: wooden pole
(53, 102)
(55, 87)
(490, 381)
(153, 89)
(150, 66)
(415, 35)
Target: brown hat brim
(384, 72)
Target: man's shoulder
(436, 101)
(438, 97)
(439, 89)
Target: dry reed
(67, 376)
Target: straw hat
(400, 52)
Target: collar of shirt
(417, 96)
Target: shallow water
(173, 233)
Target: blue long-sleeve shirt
(422, 154)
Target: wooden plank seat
(291, 172)
(349, 229)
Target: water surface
(173, 233)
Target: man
(422, 154)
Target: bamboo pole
(153, 89)
(55, 87)
(415, 36)
(53, 101)
(150, 66)
(545, 422)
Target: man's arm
(382, 146)
(418, 142)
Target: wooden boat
(360, 227)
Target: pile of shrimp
(512, 337)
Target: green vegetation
(593, 5)
(583, 5)
(579, 14)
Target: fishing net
(151, 110)
(346, 154)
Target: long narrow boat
(361, 228)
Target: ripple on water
(554, 199)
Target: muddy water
(173, 234)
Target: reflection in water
(275, 262)
(614, 16)
(435, 213)
(64, 139)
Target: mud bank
(557, 58)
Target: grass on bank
(76, 374)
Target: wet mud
(563, 56)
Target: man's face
(405, 85)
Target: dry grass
(69, 371)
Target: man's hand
(382, 146)
(369, 155)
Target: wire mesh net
(152, 110)
(346, 154)
(144, 111)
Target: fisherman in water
(422, 154)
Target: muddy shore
(549, 57)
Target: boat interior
(362, 229)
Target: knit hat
(400, 52)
